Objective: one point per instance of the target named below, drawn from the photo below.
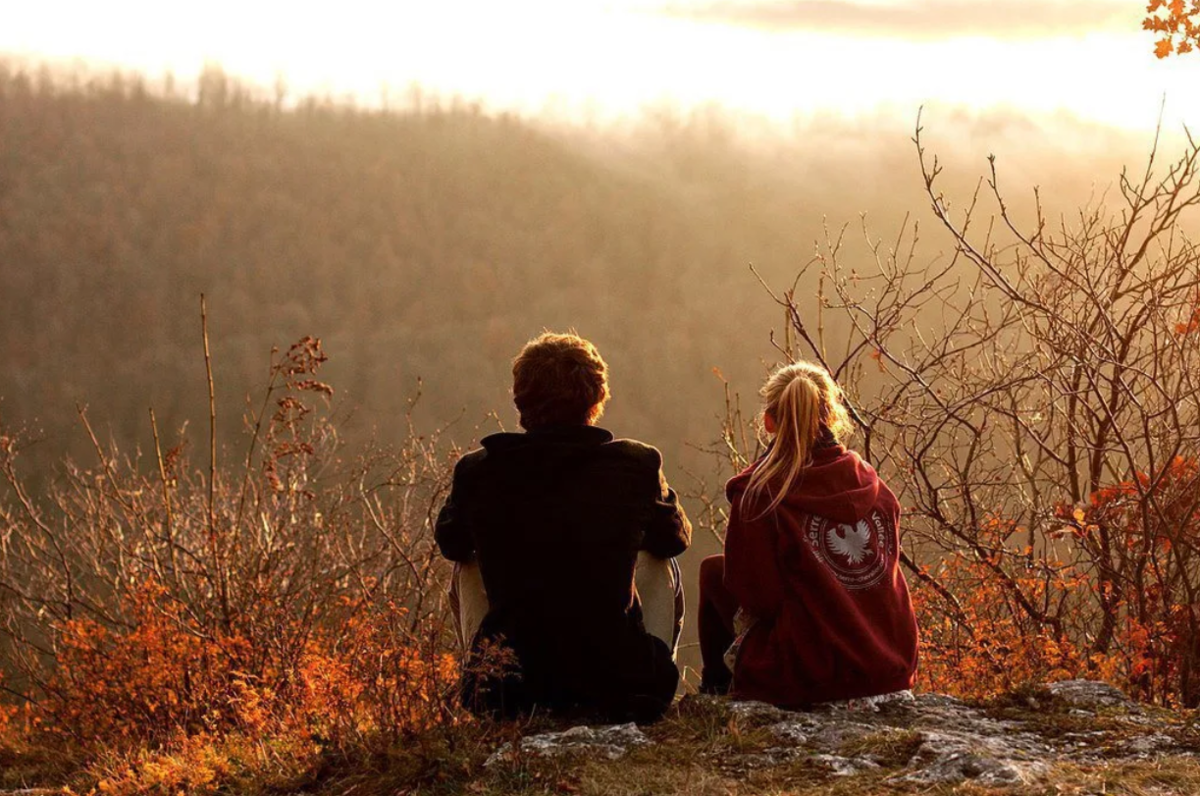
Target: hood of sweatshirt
(838, 485)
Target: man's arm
(452, 533)
(669, 532)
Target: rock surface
(608, 742)
(927, 740)
(1088, 694)
(942, 739)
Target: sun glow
(609, 59)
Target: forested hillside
(428, 242)
(416, 245)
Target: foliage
(1176, 23)
(1151, 524)
(8, 722)
(982, 647)
(1041, 432)
(173, 628)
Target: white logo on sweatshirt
(858, 554)
(852, 542)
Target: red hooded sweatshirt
(821, 573)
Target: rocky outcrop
(926, 740)
(942, 739)
(1088, 694)
(606, 742)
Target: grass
(701, 749)
(890, 749)
(25, 767)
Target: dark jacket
(556, 518)
(822, 573)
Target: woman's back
(808, 597)
(820, 575)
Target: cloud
(924, 19)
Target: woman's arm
(752, 572)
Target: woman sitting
(808, 604)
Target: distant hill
(426, 243)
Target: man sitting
(574, 536)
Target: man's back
(555, 518)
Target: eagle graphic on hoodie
(851, 542)
(821, 576)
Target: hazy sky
(923, 20)
(611, 57)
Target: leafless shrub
(298, 585)
(1034, 398)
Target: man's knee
(468, 601)
(657, 576)
(660, 592)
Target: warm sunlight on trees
(292, 593)
(1176, 21)
(1034, 399)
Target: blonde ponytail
(803, 400)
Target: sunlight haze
(605, 59)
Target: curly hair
(559, 379)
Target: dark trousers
(717, 609)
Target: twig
(166, 491)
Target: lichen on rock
(1088, 694)
(608, 742)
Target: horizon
(600, 60)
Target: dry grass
(890, 749)
(699, 749)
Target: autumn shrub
(1142, 532)
(1034, 399)
(1097, 623)
(371, 685)
(181, 622)
(8, 723)
(988, 648)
